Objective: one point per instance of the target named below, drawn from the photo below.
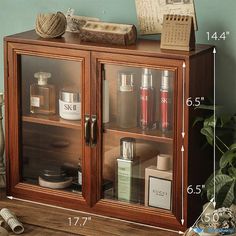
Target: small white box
(158, 188)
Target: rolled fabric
(12, 221)
(3, 223)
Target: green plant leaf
(207, 183)
(197, 120)
(225, 120)
(227, 158)
(210, 191)
(219, 178)
(206, 107)
(233, 146)
(209, 133)
(232, 173)
(225, 197)
(220, 181)
(209, 122)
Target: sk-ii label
(70, 111)
(70, 107)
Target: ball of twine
(50, 25)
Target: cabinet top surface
(72, 40)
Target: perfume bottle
(165, 102)
(127, 101)
(128, 171)
(42, 95)
(147, 98)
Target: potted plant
(223, 182)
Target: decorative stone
(51, 25)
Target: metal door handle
(87, 129)
(94, 130)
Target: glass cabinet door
(51, 112)
(138, 125)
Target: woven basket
(50, 25)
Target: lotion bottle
(127, 101)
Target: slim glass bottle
(165, 102)
(147, 108)
(42, 95)
(127, 101)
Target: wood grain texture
(31, 230)
(200, 160)
(53, 121)
(142, 47)
(38, 219)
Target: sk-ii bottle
(147, 100)
(165, 102)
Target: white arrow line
(191, 228)
(42, 204)
(214, 202)
(183, 135)
(182, 150)
(91, 214)
(183, 128)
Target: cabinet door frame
(121, 210)
(15, 188)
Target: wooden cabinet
(132, 103)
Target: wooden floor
(47, 221)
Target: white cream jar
(69, 105)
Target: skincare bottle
(147, 108)
(165, 102)
(127, 101)
(128, 173)
(42, 95)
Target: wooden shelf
(138, 133)
(71, 189)
(53, 120)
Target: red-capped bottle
(165, 102)
(147, 99)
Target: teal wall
(213, 15)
